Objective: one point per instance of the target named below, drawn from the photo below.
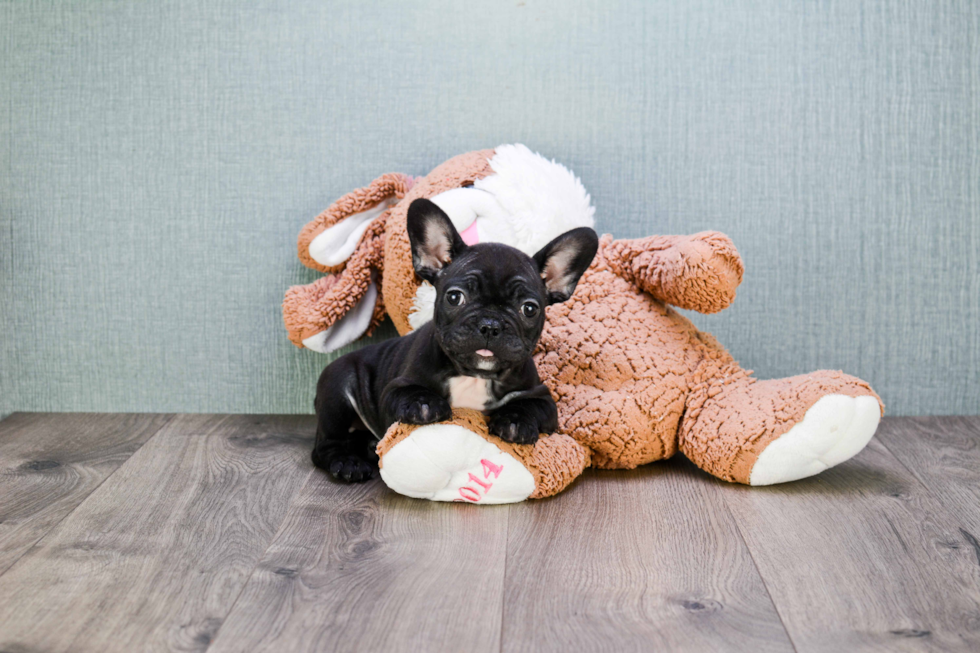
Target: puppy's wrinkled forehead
(495, 271)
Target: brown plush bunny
(633, 379)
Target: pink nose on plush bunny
(469, 235)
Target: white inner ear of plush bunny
(526, 203)
(348, 328)
(336, 244)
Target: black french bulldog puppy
(475, 353)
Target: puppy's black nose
(489, 328)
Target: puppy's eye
(455, 298)
(529, 309)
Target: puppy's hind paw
(350, 468)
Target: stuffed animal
(633, 379)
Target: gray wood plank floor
(214, 533)
(50, 463)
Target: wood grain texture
(154, 559)
(359, 568)
(49, 463)
(218, 535)
(644, 560)
(863, 558)
(944, 454)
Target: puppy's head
(490, 298)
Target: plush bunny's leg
(458, 460)
(619, 427)
(766, 432)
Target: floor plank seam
(967, 535)
(919, 479)
(259, 560)
(55, 525)
(503, 582)
(758, 570)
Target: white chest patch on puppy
(469, 392)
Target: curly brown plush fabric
(698, 273)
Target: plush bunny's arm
(699, 272)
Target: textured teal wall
(158, 159)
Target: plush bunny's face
(509, 195)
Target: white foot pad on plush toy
(445, 462)
(834, 429)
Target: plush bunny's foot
(765, 432)
(459, 460)
(833, 430)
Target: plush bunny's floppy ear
(564, 260)
(336, 310)
(330, 239)
(434, 240)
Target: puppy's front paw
(514, 426)
(352, 468)
(423, 409)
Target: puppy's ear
(435, 241)
(563, 261)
